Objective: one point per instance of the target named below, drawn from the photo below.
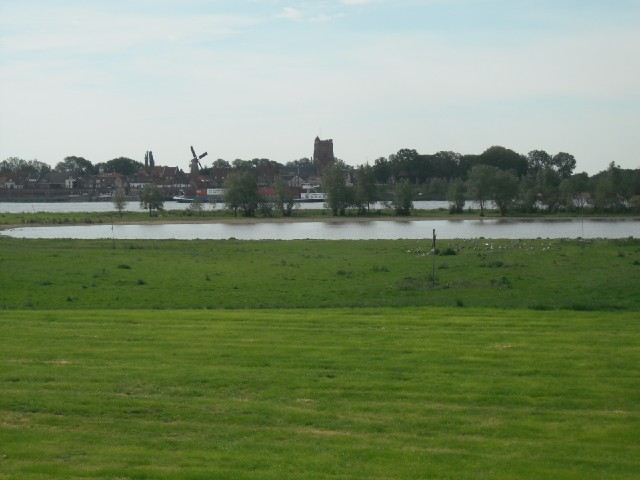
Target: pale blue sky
(262, 78)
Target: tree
(564, 163)
(607, 195)
(382, 169)
(547, 183)
(527, 194)
(406, 164)
(505, 189)
(479, 184)
(574, 192)
(77, 166)
(283, 200)
(119, 200)
(123, 165)
(437, 188)
(466, 163)
(18, 165)
(366, 191)
(243, 165)
(504, 159)
(241, 193)
(195, 207)
(403, 197)
(301, 162)
(221, 163)
(151, 197)
(334, 185)
(538, 160)
(446, 165)
(456, 196)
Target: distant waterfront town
(72, 182)
(511, 181)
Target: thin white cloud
(292, 14)
(322, 18)
(73, 32)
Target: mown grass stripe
(319, 393)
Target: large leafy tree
(480, 184)
(456, 195)
(446, 165)
(608, 187)
(505, 190)
(123, 165)
(221, 163)
(119, 200)
(78, 166)
(538, 160)
(564, 163)
(492, 183)
(334, 185)
(403, 197)
(575, 191)
(406, 164)
(527, 194)
(301, 162)
(547, 184)
(151, 197)
(241, 193)
(284, 199)
(366, 191)
(243, 165)
(504, 159)
(18, 165)
(382, 170)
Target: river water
(326, 230)
(341, 230)
(133, 206)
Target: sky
(262, 78)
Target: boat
(311, 195)
(182, 198)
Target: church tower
(323, 154)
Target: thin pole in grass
(113, 234)
(433, 249)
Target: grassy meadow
(319, 359)
(321, 393)
(531, 274)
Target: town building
(322, 155)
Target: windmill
(195, 162)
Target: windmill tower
(195, 163)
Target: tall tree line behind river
(514, 182)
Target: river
(344, 230)
(133, 206)
(325, 230)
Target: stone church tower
(322, 154)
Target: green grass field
(331, 393)
(319, 359)
(533, 274)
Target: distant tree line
(511, 181)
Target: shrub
(383, 268)
(502, 282)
